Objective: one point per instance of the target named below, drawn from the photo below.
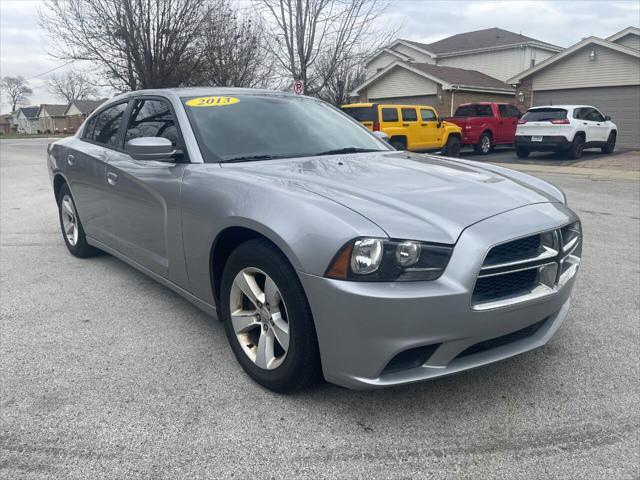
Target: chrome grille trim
(556, 261)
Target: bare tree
(312, 38)
(233, 50)
(346, 77)
(17, 90)
(71, 86)
(138, 43)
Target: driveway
(107, 374)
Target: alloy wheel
(486, 144)
(259, 318)
(69, 220)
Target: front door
(598, 125)
(430, 131)
(146, 194)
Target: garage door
(622, 104)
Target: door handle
(585, 123)
(405, 124)
(112, 178)
(70, 159)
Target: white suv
(564, 128)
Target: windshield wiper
(251, 158)
(338, 151)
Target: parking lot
(107, 374)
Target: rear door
(86, 169)
(390, 121)
(410, 124)
(429, 127)
(146, 193)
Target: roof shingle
(54, 110)
(477, 40)
(461, 76)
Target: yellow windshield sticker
(212, 101)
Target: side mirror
(607, 118)
(439, 124)
(381, 135)
(151, 148)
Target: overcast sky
(23, 45)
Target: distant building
(78, 110)
(51, 118)
(27, 120)
(6, 123)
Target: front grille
(503, 340)
(528, 267)
(516, 250)
(504, 285)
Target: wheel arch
(228, 239)
(58, 181)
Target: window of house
(103, 128)
(409, 115)
(152, 118)
(389, 114)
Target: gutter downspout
(453, 95)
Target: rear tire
(484, 145)
(71, 226)
(281, 366)
(452, 148)
(576, 148)
(522, 152)
(610, 146)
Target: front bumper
(548, 143)
(361, 327)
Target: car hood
(411, 196)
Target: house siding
(500, 64)
(401, 83)
(379, 63)
(578, 71)
(417, 56)
(631, 40)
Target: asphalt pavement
(107, 374)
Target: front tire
(576, 148)
(610, 146)
(484, 146)
(267, 318)
(452, 148)
(71, 226)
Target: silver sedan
(323, 250)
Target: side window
(578, 113)
(504, 111)
(514, 111)
(106, 125)
(152, 118)
(409, 115)
(596, 116)
(428, 115)
(389, 114)
(485, 111)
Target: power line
(52, 70)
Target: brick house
(78, 110)
(51, 118)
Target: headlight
(384, 260)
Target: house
(6, 123)
(466, 67)
(601, 72)
(51, 118)
(78, 110)
(27, 120)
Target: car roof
(566, 107)
(183, 92)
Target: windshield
(263, 127)
(544, 115)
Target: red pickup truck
(486, 124)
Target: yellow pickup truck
(409, 127)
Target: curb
(591, 173)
